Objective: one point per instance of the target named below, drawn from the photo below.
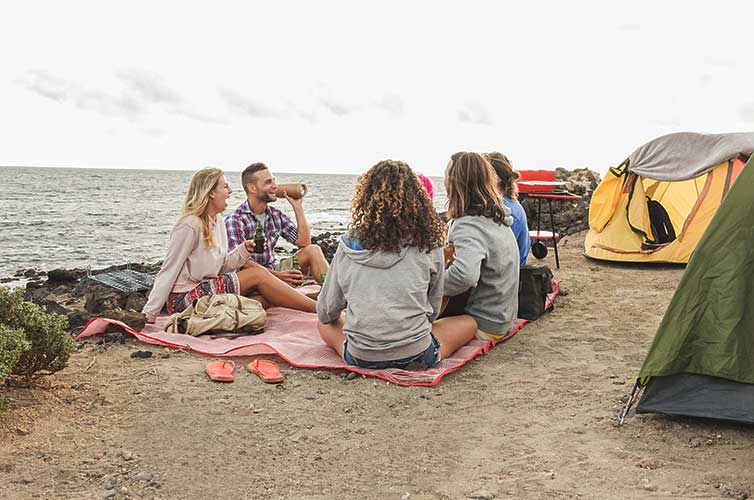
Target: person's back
(493, 301)
(389, 311)
(485, 254)
(520, 227)
(378, 305)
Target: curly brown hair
(391, 209)
(470, 182)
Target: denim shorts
(422, 361)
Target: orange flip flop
(220, 371)
(267, 370)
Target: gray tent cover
(685, 155)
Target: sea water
(71, 217)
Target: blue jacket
(520, 227)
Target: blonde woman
(198, 261)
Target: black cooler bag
(534, 283)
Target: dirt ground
(535, 418)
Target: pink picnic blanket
(293, 336)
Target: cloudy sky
(336, 86)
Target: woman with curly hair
(483, 253)
(507, 188)
(198, 261)
(387, 275)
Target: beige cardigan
(189, 261)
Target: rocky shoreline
(72, 293)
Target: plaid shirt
(242, 224)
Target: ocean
(69, 217)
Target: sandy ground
(533, 419)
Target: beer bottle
(295, 264)
(259, 238)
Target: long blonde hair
(197, 199)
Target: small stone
(648, 486)
(297, 437)
(351, 375)
(141, 354)
(482, 495)
(322, 375)
(109, 494)
(127, 456)
(405, 496)
(142, 476)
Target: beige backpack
(223, 312)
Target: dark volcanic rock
(59, 276)
(77, 319)
(101, 298)
(35, 284)
(135, 320)
(55, 307)
(135, 301)
(328, 242)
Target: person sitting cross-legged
(379, 304)
(261, 190)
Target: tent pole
(629, 404)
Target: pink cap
(427, 185)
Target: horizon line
(169, 169)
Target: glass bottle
(259, 238)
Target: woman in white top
(198, 261)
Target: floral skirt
(226, 283)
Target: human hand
(293, 277)
(449, 251)
(293, 201)
(249, 244)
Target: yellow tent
(656, 205)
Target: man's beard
(267, 197)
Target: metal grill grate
(125, 280)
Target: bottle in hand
(259, 239)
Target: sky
(334, 87)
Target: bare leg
(257, 279)
(454, 332)
(312, 260)
(332, 333)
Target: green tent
(701, 362)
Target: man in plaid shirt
(260, 188)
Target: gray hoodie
(390, 299)
(486, 260)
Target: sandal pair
(222, 371)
